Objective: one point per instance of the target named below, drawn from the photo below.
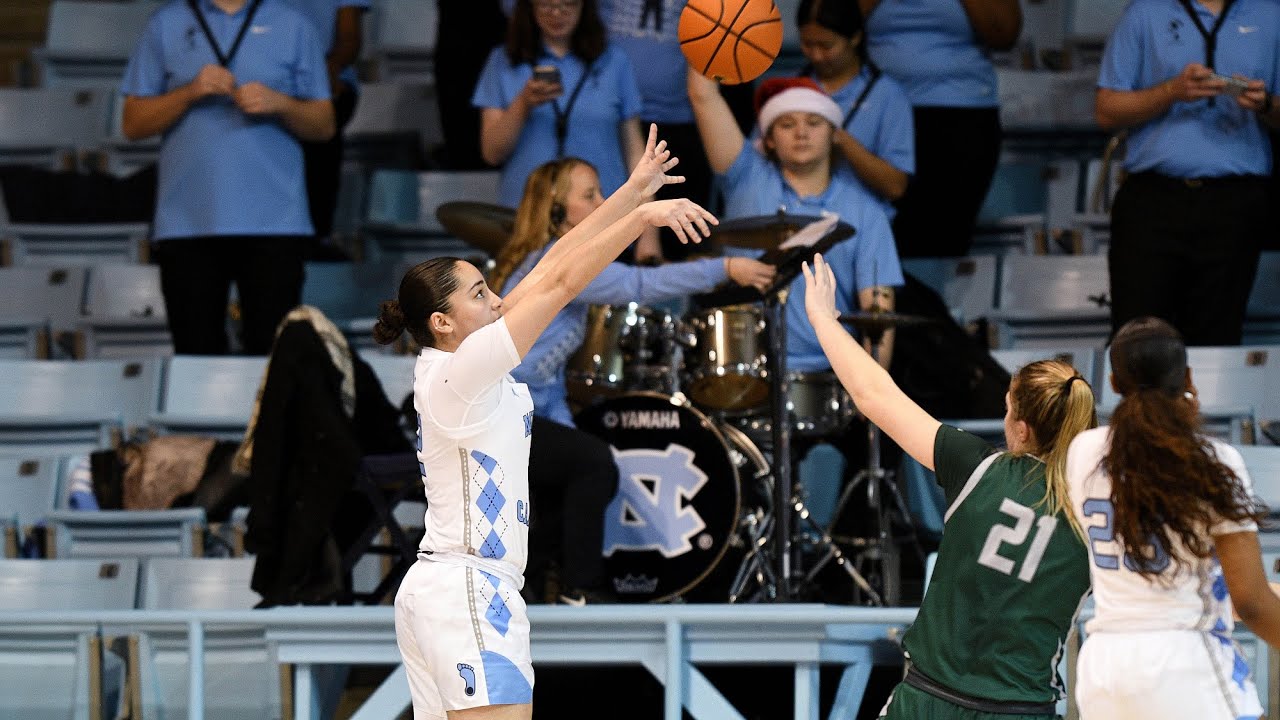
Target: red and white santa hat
(777, 96)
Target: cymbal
(881, 321)
(481, 225)
(763, 232)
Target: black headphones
(557, 214)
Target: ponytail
(390, 324)
(1057, 404)
(1168, 486)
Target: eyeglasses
(546, 6)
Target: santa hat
(778, 96)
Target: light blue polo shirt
(608, 97)
(884, 124)
(755, 186)
(930, 47)
(222, 172)
(1153, 42)
(646, 31)
(323, 15)
(543, 367)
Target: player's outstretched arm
(1251, 595)
(716, 125)
(870, 386)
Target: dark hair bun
(391, 323)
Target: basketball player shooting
(461, 624)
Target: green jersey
(1009, 579)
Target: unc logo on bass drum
(678, 495)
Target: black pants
(572, 479)
(467, 31)
(1187, 253)
(324, 165)
(196, 276)
(956, 154)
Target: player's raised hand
(820, 290)
(650, 174)
(687, 219)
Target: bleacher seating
(1263, 463)
(126, 533)
(1053, 301)
(52, 670)
(89, 43)
(395, 373)
(241, 679)
(65, 407)
(44, 127)
(1262, 318)
(404, 39)
(81, 244)
(211, 396)
(124, 313)
(1237, 386)
(967, 285)
(403, 111)
(36, 299)
(1084, 361)
(28, 492)
(349, 294)
(401, 217)
(23, 336)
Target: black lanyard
(1210, 36)
(562, 116)
(224, 60)
(862, 96)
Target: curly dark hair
(1168, 485)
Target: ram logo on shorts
(468, 674)
(652, 509)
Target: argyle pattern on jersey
(490, 526)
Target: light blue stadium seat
(124, 314)
(241, 679)
(395, 373)
(1237, 386)
(28, 492)
(69, 407)
(349, 294)
(60, 245)
(404, 39)
(126, 533)
(1263, 463)
(1053, 301)
(89, 43)
(43, 127)
(211, 396)
(23, 337)
(48, 671)
(1262, 319)
(1084, 361)
(967, 285)
(36, 298)
(397, 107)
(401, 217)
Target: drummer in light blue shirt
(1190, 219)
(939, 51)
(557, 197)
(877, 137)
(792, 171)
(231, 201)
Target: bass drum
(679, 499)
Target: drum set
(701, 413)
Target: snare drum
(818, 404)
(678, 500)
(625, 347)
(726, 370)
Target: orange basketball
(731, 41)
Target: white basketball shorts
(464, 637)
(1170, 675)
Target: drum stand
(879, 482)
(775, 581)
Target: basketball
(731, 41)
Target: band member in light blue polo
(232, 86)
(877, 138)
(1188, 224)
(339, 28)
(939, 51)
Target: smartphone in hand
(547, 73)
(1234, 86)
